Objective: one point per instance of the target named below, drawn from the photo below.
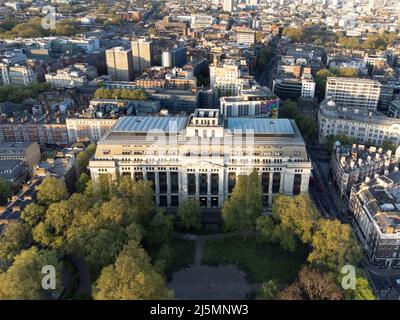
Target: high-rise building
(201, 156)
(353, 92)
(228, 5)
(119, 64)
(176, 57)
(143, 55)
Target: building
(175, 100)
(17, 74)
(293, 88)
(180, 79)
(67, 77)
(53, 133)
(394, 109)
(88, 45)
(29, 153)
(375, 205)
(119, 64)
(12, 170)
(247, 37)
(143, 55)
(172, 26)
(200, 156)
(175, 57)
(228, 5)
(353, 92)
(225, 77)
(364, 126)
(255, 102)
(351, 165)
(87, 129)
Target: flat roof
(261, 125)
(145, 124)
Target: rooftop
(145, 124)
(278, 127)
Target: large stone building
(200, 156)
(375, 205)
(360, 124)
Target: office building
(225, 77)
(119, 64)
(175, 57)
(255, 102)
(353, 92)
(200, 156)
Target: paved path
(198, 256)
(84, 286)
(200, 281)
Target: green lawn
(260, 262)
(183, 254)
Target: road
(325, 195)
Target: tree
(343, 139)
(131, 277)
(244, 205)
(82, 182)
(295, 34)
(189, 214)
(269, 290)
(289, 109)
(362, 291)
(320, 80)
(312, 285)
(51, 190)
(307, 126)
(347, 72)
(265, 227)
(297, 215)
(23, 280)
(263, 56)
(100, 246)
(15, 237)
(5, 191)
(51, 231)
(334, 245)
(33, 214)
(160, 229)
(82, 160)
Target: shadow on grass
(260, 262)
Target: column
(208, 189)
(168, 188)
(197, 184)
